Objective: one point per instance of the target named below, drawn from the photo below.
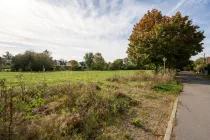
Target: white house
(68, 64)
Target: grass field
(64, 76)
(81, 105)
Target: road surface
(193, 114)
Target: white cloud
(178, 5)
(69, 28)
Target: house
(68, 64)
(82, 65)
(208, 60)
(57, 63)
(62, 63)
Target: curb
(170, 123)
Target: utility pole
(204, 63)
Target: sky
(71, 28)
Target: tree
(47, 52)
(199, 64)
(74, 64)
(7, 56)
(2, 62)
(89, 60)
(126, 61)
(108, 66)
(129, 65)
(157, 36)
(118, 64)
(98, 62)
(32, 61)
(189, 66)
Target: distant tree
(7, 56)
(89, 60)
(32, 61)
(157, 36)
(2, 62)
(74, 64)
(199, 64)
(98, 62)
(126, 61)
(47, 52)
(118, 64)
(128, 64)
(189, 66)
(107, 66)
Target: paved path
(193, 115)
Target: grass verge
(204, 76)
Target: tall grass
(80, 110)
(70, 111)
(142, 76)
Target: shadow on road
(190, 78)
(193, 110)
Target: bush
(32, 61)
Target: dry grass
(122, 107)
(155, 97)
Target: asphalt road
(193, 114)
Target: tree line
(34, 61)
(97, 62)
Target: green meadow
(64, 76)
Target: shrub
(32, 61)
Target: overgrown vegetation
(108, 109)
(34, 61)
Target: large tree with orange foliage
(156, 36)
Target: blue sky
(70, 28)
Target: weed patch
(138, 123)
(171, 87)
(62, 111)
